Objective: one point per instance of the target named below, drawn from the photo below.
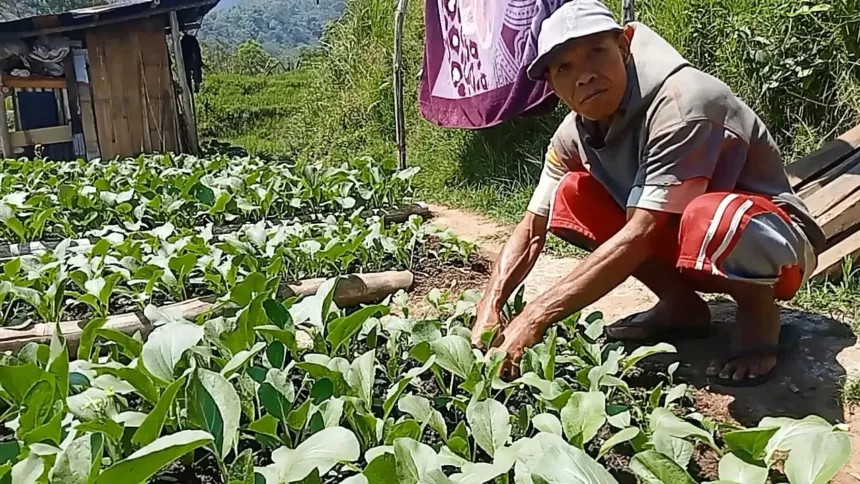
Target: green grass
(798, 70)
(339, 106)
(839, 299)
(794, 62)
(850, 393)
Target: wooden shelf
(42, 136)
(40, 82)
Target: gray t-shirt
(679, 133)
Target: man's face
(589, 75)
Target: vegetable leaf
(139, 466)
(342, 329)
(566, 464)
(151, 427)
(321, 451)
(749, 443)
(818, 459)
(583, 416)
(732, 468)
(419, 408)
(361, 377)
(454, 354)
(655, 468)
(547, 422)
(490, 423)
(623, 436)
(166, 345)
(216, 406)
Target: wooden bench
(828, 181)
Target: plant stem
(441, 383)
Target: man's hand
(513, 265)
(522, 333)
(486, 319)
(607, 267)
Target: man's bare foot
(754, 345)
(681, 314)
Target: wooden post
(628, 11)
(5, 142)
(74, 107)
(185, 101)
(399, 116)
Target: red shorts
(720, 234)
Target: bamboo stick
(355, 289)
(628, 11)
(399, 116)
(185, 96)
(351, 291)
(5, 140)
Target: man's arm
(527, 240)
(513, 265)
(599, 273)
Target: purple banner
(475, 59)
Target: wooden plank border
(808, 168)
(5, 141)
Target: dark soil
(455, 275)
(203, 471)
(705, 463)
(714, 405)
(6, 434)
(618, 463)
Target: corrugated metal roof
(97, 9)
(88, 17)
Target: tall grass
(794, 62)
(839, 300)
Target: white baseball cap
(573, 20)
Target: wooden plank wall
(828, 181)
(133, 97)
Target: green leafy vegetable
(147, 461)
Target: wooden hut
(122, 90)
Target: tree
(284, 23)
(12, 9)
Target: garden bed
(456, 277)
(54, 200)
(351, 291)
(310, 386)
(389, 215)
(122, 274)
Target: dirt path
(824, 351)
(630, 297)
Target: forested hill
(273, 23)
(225, 4)
(12, 9)
(278, 25)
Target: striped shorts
(738, 236)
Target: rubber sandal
(789, 338)
(659, 333)
(760, 350)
